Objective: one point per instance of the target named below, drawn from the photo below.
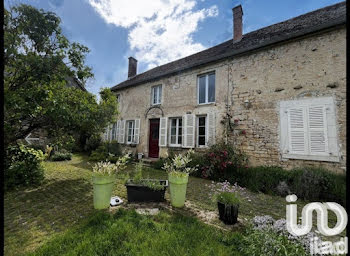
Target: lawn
(34, 217)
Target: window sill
(311, 157)
(206, 104)
(175, 146)
(156, 105)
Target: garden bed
(143, 193)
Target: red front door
(153, 138)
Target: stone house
(277, 93)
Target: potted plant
(228, 204)
(104, 176)
(145, 190)
(227, 199)
(178, 172)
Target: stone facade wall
(310, 67)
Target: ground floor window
(131, 131)
(201, 131)
(176, 132)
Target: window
(106, 134)
(176, 132)
(308, 129)
(118, 98)
(114, 131)
(156, 95)
(131, 131)
(206, 88)
(201, 131)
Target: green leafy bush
(263, 178)
(220, 162)
(61, 156)
(23, 166)
(108, 151)
(92, 143)
(317, 183)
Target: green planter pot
(177, 186)
(103, 186)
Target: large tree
(38, 59)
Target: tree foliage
(38, 59)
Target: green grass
(34, 216)
(128, 233)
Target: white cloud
(160, 31)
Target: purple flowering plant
(225, 192)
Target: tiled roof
(311, 22)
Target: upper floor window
(176, 132)
(156, 95)
(118, 98)
(206, 88)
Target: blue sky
(158, 31)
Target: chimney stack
(237, 23)
(132, 71)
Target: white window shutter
(211, 129)
(122, 132)
(117, 131)
(284, 131)
(163, 132)
(318, 144)
(298, 143)
(189, 128)
(333, 149)
(137, 131)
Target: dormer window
(156, 95)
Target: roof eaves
(277, 39)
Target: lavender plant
(225, 192)
(267, 223)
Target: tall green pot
(177, 186)
(103, 186)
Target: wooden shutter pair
(308, 129)
(121, 131)
(188, 130)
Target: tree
(38, 58)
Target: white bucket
(139, 156)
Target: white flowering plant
(108, 168)
(178, 166)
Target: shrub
(92, 143)
(269, 243)
(262, 178)
(317, 183)
(268, 224)
(222, 161)
(108, 151)
(61, 156)
(23, 166)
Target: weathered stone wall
(309, 67)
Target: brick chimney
(132, 71)
(237, 23)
